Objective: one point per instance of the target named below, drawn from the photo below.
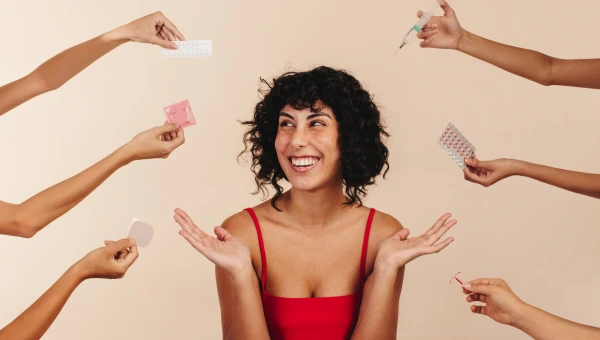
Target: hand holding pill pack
(180, 113)
(189, 49)
(456, 145)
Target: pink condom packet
(180, 113)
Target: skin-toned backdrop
(540, 239)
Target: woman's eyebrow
(283, 114)
(319, 114)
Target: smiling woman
(330, 110)
(335, 267)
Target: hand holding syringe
(419, 25)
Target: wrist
(244, 277)
(125, 154)
(78, 272)
(117, 36)
(464, 40)
(384, 268)
(521, 315)
(517, 167)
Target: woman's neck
(314, 209)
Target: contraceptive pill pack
(456, 145)
(189, 49)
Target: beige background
(542, 240)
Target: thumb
(480, 288)
(162, 43)
(403, 234)
(446, 7)
(222, 234)
(120, 245)
(168, 127)
(476, 163)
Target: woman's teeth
(304, 161)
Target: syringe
(418, 26)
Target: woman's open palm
(225, 251)
(399, 249)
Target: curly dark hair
(361, 132)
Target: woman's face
(307, 147)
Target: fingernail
(467, 285)
(467, 160)
(174, 46)
(177, 125)
(132, 240)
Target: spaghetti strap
(363, 257)
(263, 256)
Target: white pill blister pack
(456, 145)
(189, 49)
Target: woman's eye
(285, 124)
(317, 123)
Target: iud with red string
(456, 278)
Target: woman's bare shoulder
(384, 225)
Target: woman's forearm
(56, 71)
(248, 316)
(378, 318)
(578, 182)
(542, 325)
(528, 64)
(35, 321)
(40, 210)
(532, 65)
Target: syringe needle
(399, 48)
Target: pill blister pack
(456, 145)
(192, 48)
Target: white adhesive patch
(140, 231)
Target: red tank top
(321, 318)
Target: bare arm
(101, 263)
(242, 315)
(378, 317)
(542, 325)
(502, 305)
(446, 32)
(31, 216)
(487, 173)
(578, 182)
(532, 65)
(36, 320)
(55, 72)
